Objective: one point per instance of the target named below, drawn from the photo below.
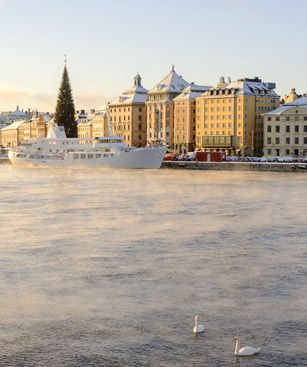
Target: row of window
(296, 140)
(288, 128)
(122, 109)
(288, 118)
(91, 155)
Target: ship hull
(136, 158)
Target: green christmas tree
(65, 108)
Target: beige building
(100, 124)
(92, 124)
(85, 128)
(185, 118)
(160, 107)
(229, 116)
(285, 130)
(127, 114)
(10, 134)
(22, 130)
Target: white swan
(244, 351)
(198, 328)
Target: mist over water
(109, 267)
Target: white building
(285, 130)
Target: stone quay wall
(236, 166)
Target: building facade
(127, 115)
(22, 130)
(160, 107)
(229, 116)
(285, 130)
(185, 118)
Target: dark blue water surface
(109, 268)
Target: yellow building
(230, 116)
(100, 124)
(127, 114)
(292, 96)
(160, 107)
(85, 128)
(185, 118)
(22, 130)
(10, 134)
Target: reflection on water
(108, 268)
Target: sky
(108, 41)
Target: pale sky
(108, 41)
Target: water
(108, 268)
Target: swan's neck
(196, 324)
(237, 347)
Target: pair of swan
(244, 351)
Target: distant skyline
(108, 41)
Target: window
(140, 118)
(296, 141)
(90, 156)
(305, 118)
(305, 140)
(305, 128)
(269, 140)
(277, 127)
(98, 155)
(269, 128)
(296, 128)
(277, 141)
(76, 156)
(287, 118)
(287, 128)
(277, 118)
(269, 151)
(287, 140)
(269, 119)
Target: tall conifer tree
(65, 108)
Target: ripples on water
(108, 268)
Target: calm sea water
(109, 268)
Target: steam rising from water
(108, 268)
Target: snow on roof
(14, 125)
(284, 108)
(136, 94)
(171, 83)
(247, 87)
(192, 91)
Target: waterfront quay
(236, 166)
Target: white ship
(59, 151)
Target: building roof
(192, 91)
(136, 94)
(172, 83)
(14, 125)
(284, 108)
(246, 86)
